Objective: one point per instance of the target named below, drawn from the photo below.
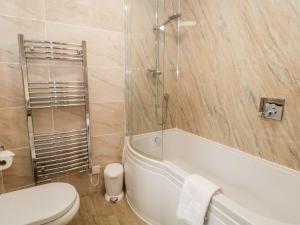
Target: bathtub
(254, 191)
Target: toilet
(50, 204)
(113, 178)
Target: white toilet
(113, 177)
(50, 204)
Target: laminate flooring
(94, 210)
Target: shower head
(170, 19)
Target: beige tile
(228, 61)
(38, 72)
(106, 85)
(82, 13)
(81, 182)
(146, 103)
(107, 118)
(13, 128)
(142, 15)
(69, 118)
(111, 15)
(23, 8)
(11, 91)
(171, 7)
(104, 48)
(11, 27)
(105, 14)
(297, 103)
(96, 210)
(42, 121)
(20, 174)
(66, 72)
(107, 148)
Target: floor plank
(94, 210)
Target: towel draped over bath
(195, 198)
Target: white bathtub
(255, 191)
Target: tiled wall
(100, 23)
(238, 52)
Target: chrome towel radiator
(56, 153)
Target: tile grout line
(108, 134)
(64, 66)
(21, 17)
(12, 107)
(60, 23)
(11, 63)
(106, 102)
(84, 27)
(18, 148)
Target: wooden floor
(94, 210)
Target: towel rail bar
(52, 42)
(61, 148)
(50, 165)
(60, 141)
(56, 153)
(62, 167)
(64, 154)
(46, 175)
(60, 133)
(62, 159)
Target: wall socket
(96, 169)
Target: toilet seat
(38, 205)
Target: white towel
(194, 199)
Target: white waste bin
(113, 178)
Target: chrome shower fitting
(153, 72)
(170, 19)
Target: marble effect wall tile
(107, 14)
(20, 174)
(38, 72)
(104, 47)
(61, 71)
(23, 8)
(237, 53)
(106, 85)
(69, 118)
(81, 181)
(43, 121)
(11, 91)
(11, 27)
(107, 148)
(107, 118)
(13, 128)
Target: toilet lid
(37, 205)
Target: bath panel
(254, 191)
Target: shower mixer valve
(153, 72)
(271, 108)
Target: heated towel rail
(56, 153)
